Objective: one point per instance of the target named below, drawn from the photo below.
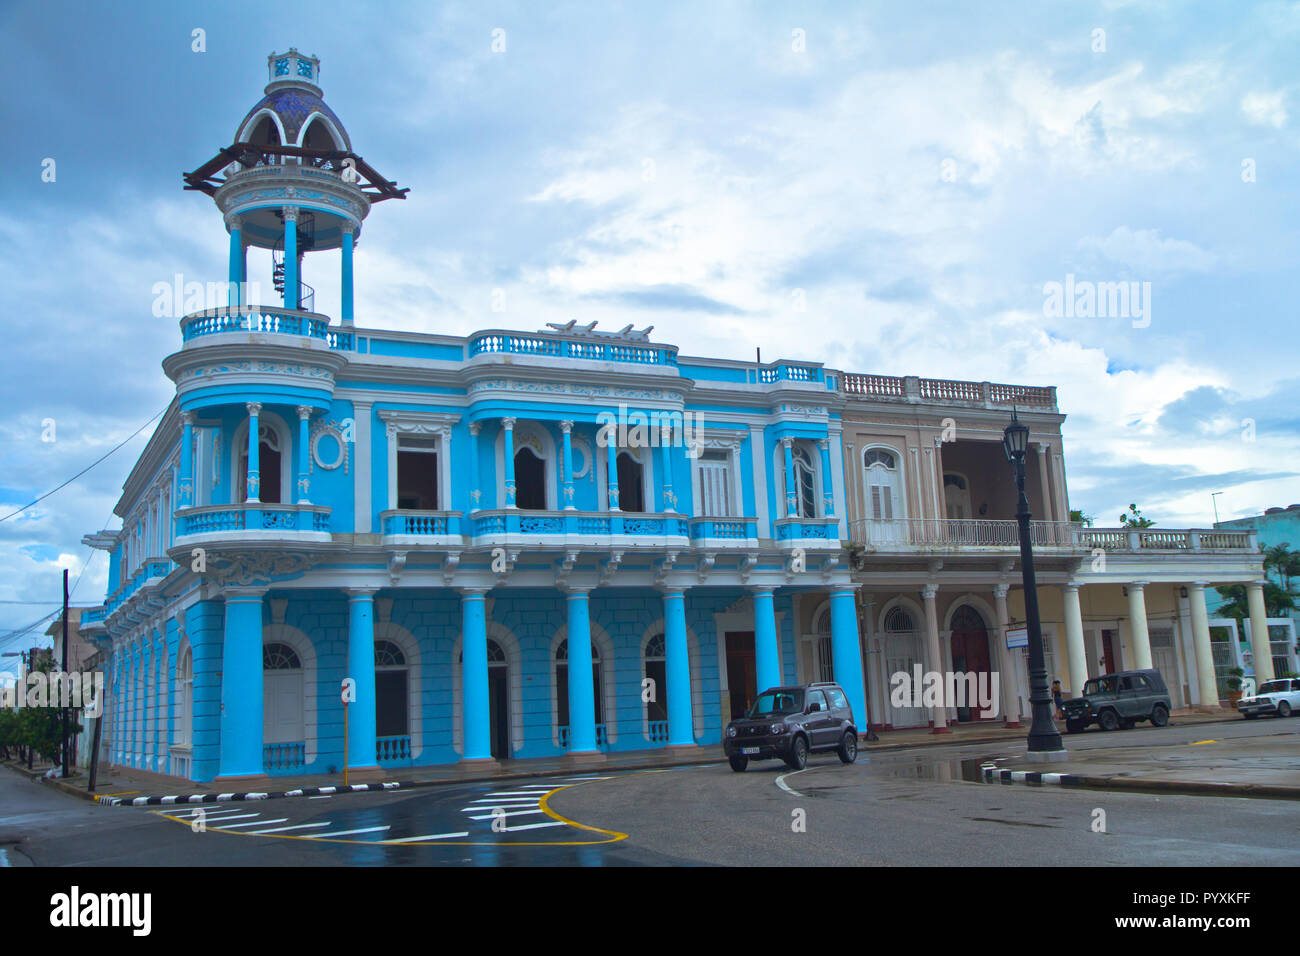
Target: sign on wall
(1017, 637)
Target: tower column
(1074, 648)
(582, 691)
(292, 289)
(1006, 659)
(567, 427)
(767, 649)
(254, 473)
(611, 466)
(476, 493)
(1206, 684)
(477, 716)
(349, 239)
(1137, 623)
(304, 450)
(185, 486)
(508, 446)
(236, 272)
(681, 731)
(1259, 644)
(934, 656)
(361, 668)
(241, 687)
(828, 481)
(666, 466)
(846, 653)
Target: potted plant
(1234, 684)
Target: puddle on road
(944, 771)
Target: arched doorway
(530, 480)
(655, 671)
(562, 692)
(631, 478)
(282, 708)
(392, 715)
(956, 495)
(969, 639)
(902, 652)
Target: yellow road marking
(1196, 743)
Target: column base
(372, 774)
(941, 730)
(585, 758)
(243, 782)
(1013, 725)
(1208, 709)
(479, 763)
(1047, 756)
(680, 750)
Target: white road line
(508, 807)
(350, 832)
(252, 823)
(431, 836)
(240, 816)
(508, 802)
(300, 826)
(512, 793)
(531, 826)
(780, 782)
(323, 797)
(512, 813)
(209, 814)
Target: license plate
(748, 750)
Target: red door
(970, 654)
(742, 672)
(1108, 652)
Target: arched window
(897, 619)
(530, 480)
(280, 657)
(656, 671)
(562, 682)
(391, 714)
(270, 464)
(805, 481)
(956, 496)
(185, 680)
(884, 484)
(282, 700)
(902, 652)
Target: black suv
(1119, 700)
(791, 722)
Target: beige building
(934, 547)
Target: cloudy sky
(917, 174)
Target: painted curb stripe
(227, 797)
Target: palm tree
(1276, 601)
(1282, 560)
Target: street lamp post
(1044, 739)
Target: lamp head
(1015, 439)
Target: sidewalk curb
(1200, 788)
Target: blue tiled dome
(293, 107)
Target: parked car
(789, 723)
(1119, 701)
(1280, 697)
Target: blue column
(291, 280)
(508, 446)
(345, 311)
(767, 650)
(304, 449)
(582, 694)
(611, 450)
(185, 487)
(567, 427)
(666, 466)
(681, 730)
(828, 481)
(791, 492)
(254, 433)
(846, 653)
(241, 686)
(361, 668)
(236, 271)
(128, 723)
(477, 717)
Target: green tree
(1285, 563)
(1133, 518)
(1276, 601)
(1079, 517)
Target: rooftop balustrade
(910, 388)
(271, 321)
(559, 346)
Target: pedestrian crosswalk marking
(252, 823)
(300, 826)
(431, 836)
(512, 813)
(322, 836)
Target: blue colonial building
(564, 542)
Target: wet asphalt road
(891, 808)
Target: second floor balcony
(904, 535)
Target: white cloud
(1147, 254)
(1265, 109)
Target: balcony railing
(1157, 539)
(392, 749)
(910, 388)
(944, 534)
(789, 372)
(257, 318)
(420, 523)
(602, 739)
(738, 530)
(582, 523)
(252, 516)
(658, 731)
(558, 346)
(280, 757)
(803, 529)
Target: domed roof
(293, 97)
